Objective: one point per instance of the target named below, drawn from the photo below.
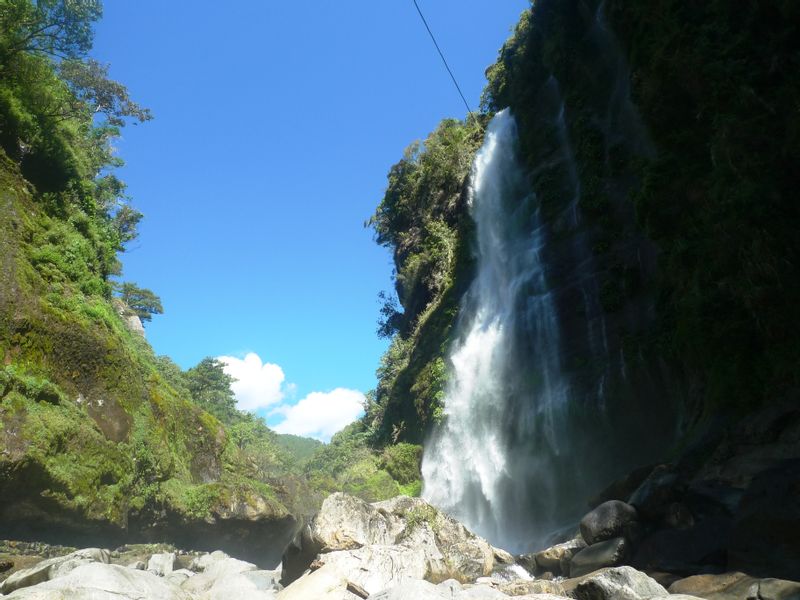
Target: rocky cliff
(657, 141)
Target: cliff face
(95, 445)
(658, 141)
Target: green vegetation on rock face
(717, 86)
(423, 219)
(349, 464)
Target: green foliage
(348, 464)
(143, 302)
(419, 515)
(59, 114)
(423, 218)
(718, 85)
(210, 388)
(402, 461)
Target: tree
(210, 387)
(60, 29)
(143, 302)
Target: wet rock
(597, 556)
(554, 558)
(162, 564)
(99, 580)
(724, 586)
(765, 538)
(609, 520)
(774, 589)
(619, 583)
(622, 489)
(699, 549)
(736, 586)
(502, 557)
(138, 566)
(656, 493)
(6, 565)
(52, 568)
(528, 562)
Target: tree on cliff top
(143, 302)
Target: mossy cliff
(95, 444)
(659, 141)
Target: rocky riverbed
(400, 549)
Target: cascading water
(469, 467)
(542, 410)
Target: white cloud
(257, 384)
(321, 414)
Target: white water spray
(471, 467)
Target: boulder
(162, 564)
(736, 586)
(697, 549)
(416, 589)
(765, 537)
(95, 581)
(139, 565)
(619, 583)
(52, 568)
(502, 557)
(326, 583)
(774, 589)
(375, 568)
(179, 576)
(660, 489)
(401, 537)
(528, 562)
(521, 587)
(597, 556)
(609, 520)
(252, 585)
(554, 558)
(211, 568)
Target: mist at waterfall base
(522, 447)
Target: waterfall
(473, 468)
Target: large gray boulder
(162, 564)
(609, 520)
(375, 545)
(325, 583)
(52, 568)
(213, 567)
(619, 583)
(249, 585)
(603, 554)
(99, 581)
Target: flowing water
(471, 467)
(542, 409)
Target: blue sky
(275, 125)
